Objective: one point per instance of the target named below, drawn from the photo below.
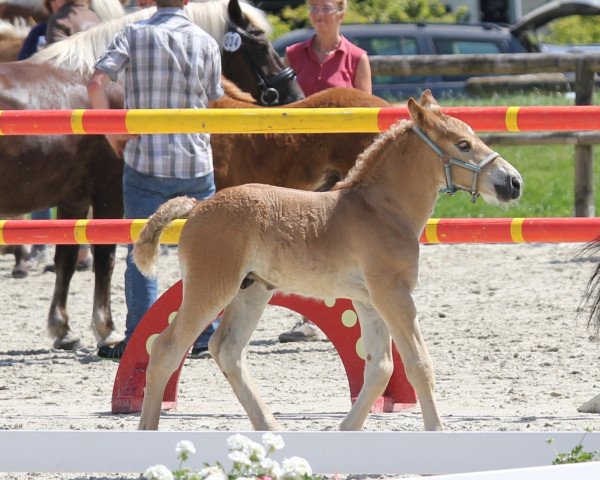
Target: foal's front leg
(395, 304)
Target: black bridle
(270, 87)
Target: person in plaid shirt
(167, 62)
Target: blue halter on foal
(447, 160)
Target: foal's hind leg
(227, 348)
(166, 355)
(379, 365)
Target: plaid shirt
(168, 63)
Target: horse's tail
(591, 295)
(145, 249)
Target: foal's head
(466, 162)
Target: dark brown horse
(288, 160)
(32, 10)
(74, 172)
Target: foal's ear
(429, 102)
(420, 115)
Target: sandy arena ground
(499, 320)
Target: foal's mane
(371, 156)
(80, 52)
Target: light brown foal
(359, 241)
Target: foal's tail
(591, 295)
(145, 249)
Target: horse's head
(466, 162)
(249, 60)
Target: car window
(450, 46)
(388, 45)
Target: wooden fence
(583, 65)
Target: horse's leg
(227, 348)
(395, 304)
(379, 365)
(102, 321)
(107, 202)
(65, 260)
(21, 269)
(167, 352)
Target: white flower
(295, 468)
(271, 467)
(185, 446)
(213, 472)
(257, 451)
(272, 442)
(238, 442)
(240, 457)
(158, 472)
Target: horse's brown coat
(73, 172)
(358, 241)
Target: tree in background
(372, 11)
(574, 30)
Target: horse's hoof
(68, 342)
(112, 339)
(19, 273)
(591, 406)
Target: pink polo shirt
(338, 70)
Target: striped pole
(438, 230)
(286, 120)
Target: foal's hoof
(68, 342)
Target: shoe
(199, 352)
(38, 256)
(303, 331)
(114, 352)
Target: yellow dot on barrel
(329, 302)
(360, 350)
(349, 318)
(150, 341)
(172, 317)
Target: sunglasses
(326, 10)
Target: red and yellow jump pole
(437, 230)
(287, 120)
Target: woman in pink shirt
(326, 60)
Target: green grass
(547, 170)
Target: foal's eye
(464, 146)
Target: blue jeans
(142, 195)
(45, 214)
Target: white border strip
(575, 471)
(327, 452)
